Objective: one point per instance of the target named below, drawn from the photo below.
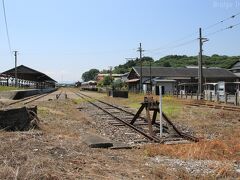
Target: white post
(160, 110)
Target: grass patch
(134, 105)
(43, 111)
(134, 100)
(78, 101)
(171, 106)
(8, 88)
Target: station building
(174, 79)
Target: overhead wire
(176, 46)
(173, 42)
(223, 29)
(180, 45)
(222, 21)
(6, 26)
(206, 28)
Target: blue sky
(65, 38)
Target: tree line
(215, 60)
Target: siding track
(123, 118)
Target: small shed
(168, 86)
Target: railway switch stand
(150, 105)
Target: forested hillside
(180, 61)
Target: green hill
(180, 61)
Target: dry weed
(204, 150)
(162, 172)
(225, 171)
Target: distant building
(100, 77)
(169, 78)
(235, 68)
(124, 77)
(196, 67)
(78, 84)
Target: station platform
(19, 94)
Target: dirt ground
(57, 150)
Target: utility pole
(150, 76)
(200, 71)
(110, 72)
(140, 56)
(16, 79)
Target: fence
(226, 98)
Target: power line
(6, 25)
(230, 27)
(223, 29)
(222, 21)
(176, 46)
(173, 42)
(191, 41)
(190, 35)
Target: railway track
(215, 106)
(123, 117)
(62, 95)
(29, 99)
(58, 95)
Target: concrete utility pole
(200, 74)
(140, 56)
(16, 79)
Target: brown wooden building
(170, 77)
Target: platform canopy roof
(26, 73)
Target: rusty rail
(214, 106)
(152, 138)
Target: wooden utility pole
(16, 79)
(150, 71)
(200, 64)
(140, 56)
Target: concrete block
(118, 145)
(95, 141)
